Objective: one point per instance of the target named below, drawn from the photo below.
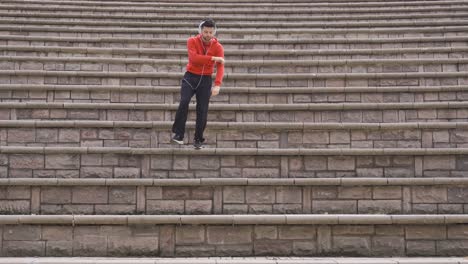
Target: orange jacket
(199, 58)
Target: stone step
(227, 19)
(241, 10)
(234, 235)
(231, 95)
(382, 33)
(304, 112)
(271, 4)
(313, 66)
(239, 54)
(103, 162)
(232, 26)
(74, 77)
(90, 40)
(235, 135)
(236, 196)
(239, 260)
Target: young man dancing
(204, 52)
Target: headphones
(201, 26)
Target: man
(204, 52)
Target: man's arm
(219, 72)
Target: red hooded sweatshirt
(199, 57)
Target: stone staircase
(341, 131)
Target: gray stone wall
(159, 200)
(237, 240)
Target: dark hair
(208, 23)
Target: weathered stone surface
(227, 235)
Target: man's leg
(186, 94)
(203, 98)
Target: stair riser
(181, 54)
(163, 200)
(77, 96)
(267, 67)
(311, 80)
(128, 42)
(235, 138)
(224, 166)
(382, 33)
(241, 240)
(366, 116)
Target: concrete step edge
(233, 52)
(240, 63)
(234, 90)
(226, 27)
(188, 31)
(240, 107)
(285, 219)
(283, 126)
(250, 11)
(236, 260)
(238, 182)
(183, 41)
(237, 76)
(236, 151)
(222, 18)
(250, 4)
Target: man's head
(207, 29)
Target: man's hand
(215, 90)
(218, 59)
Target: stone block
(21, 135)
(341, 163)
(90, 195)
(175, 193)
(387, 192)
(56, 195)
(22, 233)
(266, 247)
(260, 173)
(62, 161)
(288, 195)
(96, 172)
(26, 161)
(429, 194)
(137, 246)
(355, 192)
(122, 195)
(428, 232)
(186, 235)
(23, 248)
(297, 232)
(388, 246)
(260, 195)
(438, 163)
(379, 207)
(457, 194)
(59, 248)
(265, 232)
(15, 207)
(164, 207)
(355, 246)
(127, 173)
(90, 245)
(451, 248)
(315, 163)
(421, 248)
(334, 207)
(198, 207)
(229, 235)
(204, 163)
(57, 233)
(69, 136)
